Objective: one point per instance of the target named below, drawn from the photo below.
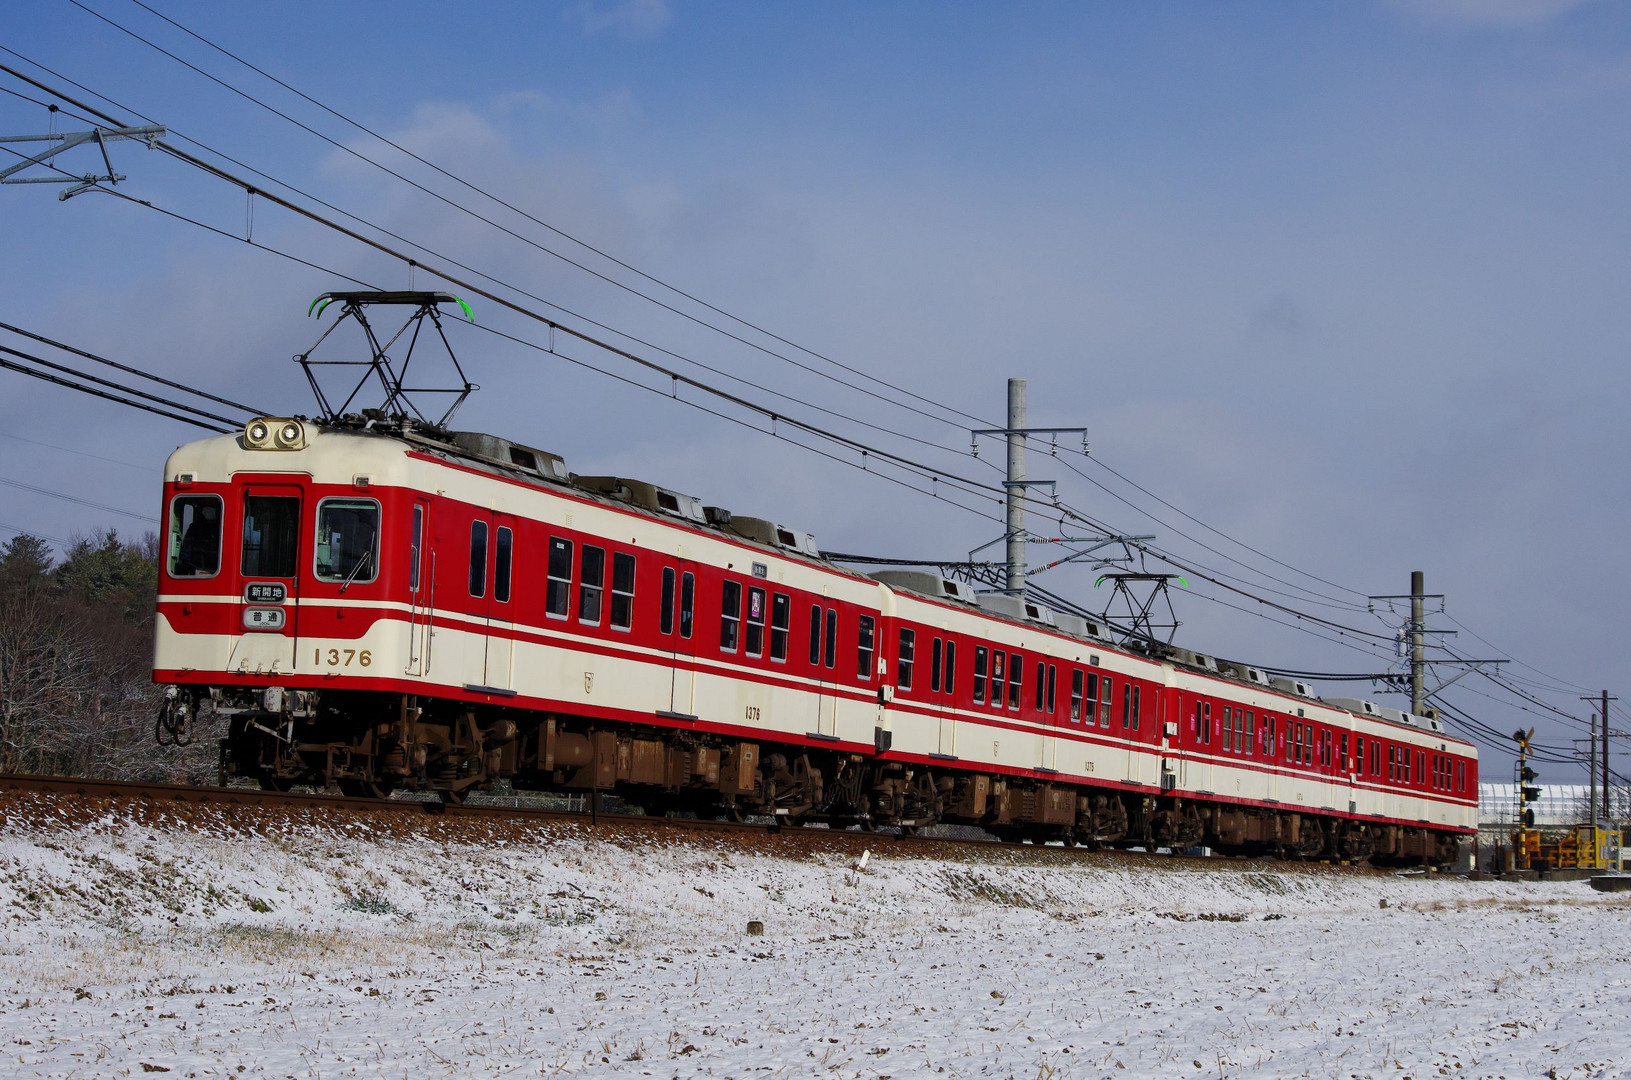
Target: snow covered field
(138, 941)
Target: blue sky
(1346, 282)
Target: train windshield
(347, 540)
(195, 536)
(271, 536)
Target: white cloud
(1490, 13)
(629, 18)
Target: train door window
(416, 546)
(1461, 776)
(1041, 678)
(1016, 674)
(979, 674)
(503, 552)
(934, 665)
(1251, 732)
(730, 615)
(1126, 706)
(1106, 696)
(755, 641)
(591, 583)
(1053, 678)
(1392, 765)
(1270, 723)
(622, 590)
(999, 677)
(1359, 753)
(815, 635)
(951, 667)
(865, 645)
(1138, 710)
(830, 651)
(781, 622)
(665, 611)
(1076, 696)
(271, 536)
(195, 536)
(1375, 758)
(688, 602)
(558, 585)
(347, 547)
(478, 558)
(1342, 751)
(1228, 727)
(908, 654)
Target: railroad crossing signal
(1528, 792)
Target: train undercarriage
(370, 744)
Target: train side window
(665, 612)
(688, 602)
(1228, 727)
(558, 586)
(1342, 760)
(622, 590)
(195, 536)
(815, 635)
(781, 621)
(934, 665)
(1106, 696)
(503, 551)
(347, 549)
(591, 583)
(999, 677)
(478, 558)
(271, 536)
(951, 667)
(979, 674)
(1053, 678)
(1250, 732)
(730, 615)
(1041, 677)
(908, 654)
(829, 653)
(1076, 695)
(865, 645)
(1016, 672)
(755, 641)
(1461, 776)
(416, 546)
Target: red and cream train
(379, 605)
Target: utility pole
(1418, 650)
(1605, 697)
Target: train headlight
(257, 433)
(291, 435)
(275, 433)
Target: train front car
(286, 597)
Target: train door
(1174, 764)
(824, 647)
(1044, 695)
(943, 693)
(676, 626)
(498, 658)
(269, 563)
(421, 590)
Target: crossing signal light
(1530, 794)
(1528, 774)
(1528, 818)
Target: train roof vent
(1002, 604)
(1363, 708)
(1195, 660)
(1244, 672)
(922, 582)
(717, 515)
(1070, 624)
(768, 532)
(511, 454)
(1426, 723)
(646, 495)
(1291, 686)
(1037, 613)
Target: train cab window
(1041, 677)
(1053, 679)
(865, 645)
(591, 584)
(907, 654)
(815, 635)
(755, 640)
(979, 674)
(934, 665)
(999, 677)
(416, 546)
(830, 645)
(478, 558)
(688, 602)
(347, 540)
(271, 536)
(1016, 672)
(195, 536)
(781, 621)
(622, 590)
(730, 615)
(558, 587)
(1076, 696)
(503, 551)
(951, 667)
(665, 609)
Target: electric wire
(65, 497)
(11, 365)
(31, 358)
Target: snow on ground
(304, 947)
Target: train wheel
(365, 789)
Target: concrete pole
(1015, 490)
(1593, 741)
(1418, 645)
(1606, 809)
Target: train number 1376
(342, 657)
